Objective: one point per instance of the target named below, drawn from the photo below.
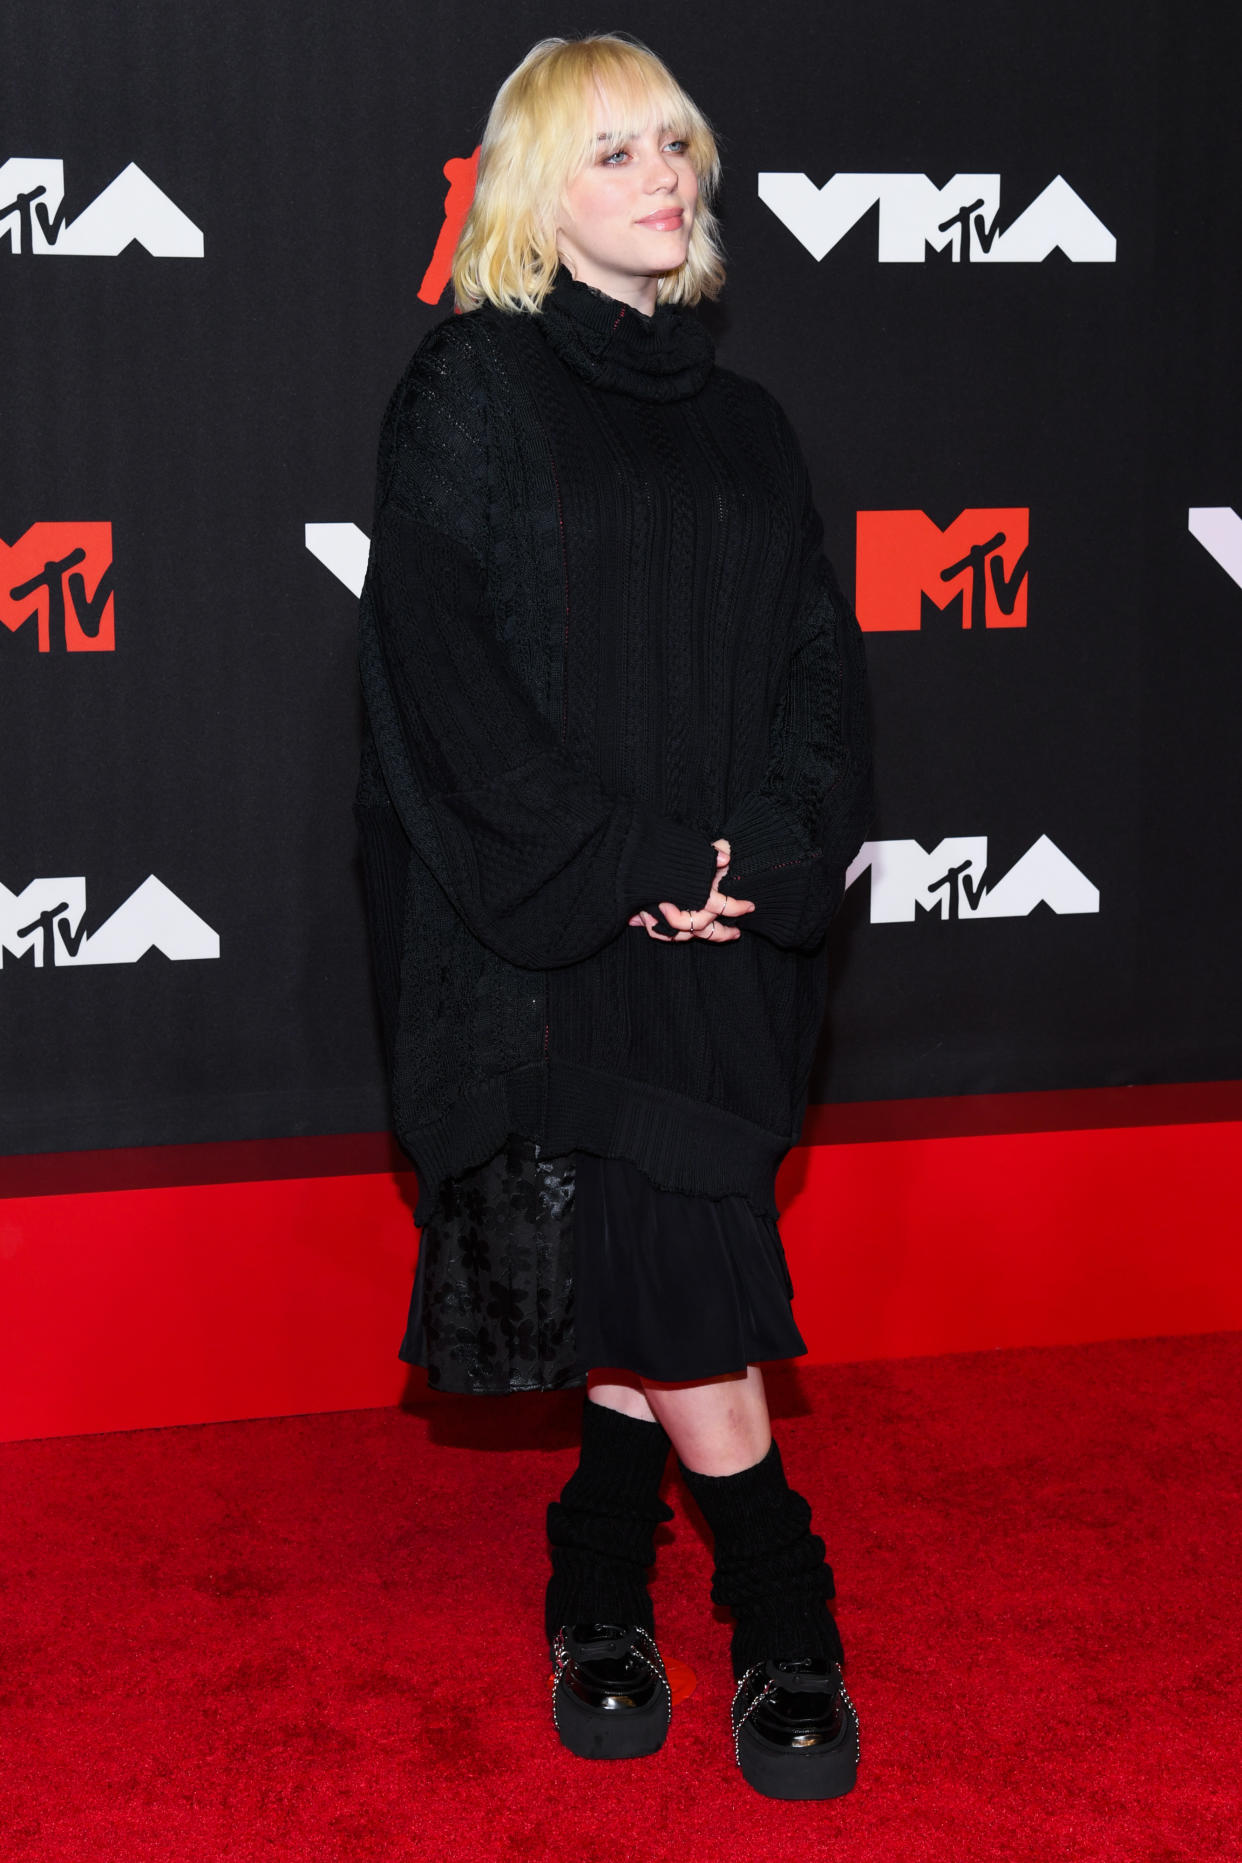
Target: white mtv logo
(32, 215)
(915, 214)
(48, 917)
(342, 548)
(1219, 529)
(952, 880)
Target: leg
(770, 1568)
(617, 1390)
(602, 1528)
(611, 1698)
(719, 1427)
(795, 1730)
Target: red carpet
(316, 1638)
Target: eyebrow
(612, 135)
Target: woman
(616, 767)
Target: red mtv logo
(60, 576)
(980, 558)
(460, 171)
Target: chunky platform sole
(610, 1733)
(800, 1772)
(795, 1730)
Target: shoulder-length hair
(542, 132)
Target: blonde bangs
(540, 133)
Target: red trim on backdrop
(1037, 1238)
(133, 1309)
(178, 1304)
(1066, 1109)
(346, 1154)
(238, 1161)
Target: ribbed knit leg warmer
(770, 1568)
(602, 1529)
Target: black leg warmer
(602, 1529)
(770, 1568)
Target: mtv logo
(964, 215)
(461, 173)
(950, 882)
(342, 548)
(979, 561)
(60, 576)
(46, 923)
(1219, 529)
(131, 208)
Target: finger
(734, 908)
(683, 921)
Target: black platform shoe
(610, 1698)
(795, 1732)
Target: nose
(661, 175)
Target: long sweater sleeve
(541, 862)
(794, 835)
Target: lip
(673, 217)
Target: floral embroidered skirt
(534, 1271)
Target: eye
(680, 145)
(612, 159)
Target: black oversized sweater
(597, 632)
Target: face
(626, 218)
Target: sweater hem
(681, 1144)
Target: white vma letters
(32, 215)
(964, 215)
(343, 549)
(1219, 529)
(47, 920)
(951, 881)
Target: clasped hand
(708, 921)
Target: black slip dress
(534, 1271)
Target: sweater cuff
(762, 836)
(794, 903)
(667, 861)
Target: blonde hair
(540, 134)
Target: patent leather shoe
(610, 1694)
(795, 1731)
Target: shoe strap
(608, 1640)
(796, 1680)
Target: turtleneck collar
(664, 357)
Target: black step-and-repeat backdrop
(987, 256)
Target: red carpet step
(318, 1637)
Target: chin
(669, 261)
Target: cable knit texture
(770, 1568)
(602, 1530)
(597, 632)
